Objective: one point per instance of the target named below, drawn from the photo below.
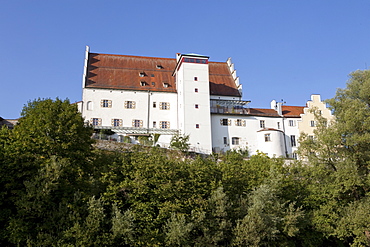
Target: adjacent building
(188, 95)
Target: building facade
(189, 95)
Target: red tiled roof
(123, 72)
(263, 112)
(292, 111)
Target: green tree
(46, 162)
(337, 177)
(180, 142)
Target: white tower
(192, 80)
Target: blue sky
(281, 49)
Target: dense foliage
(57, 190)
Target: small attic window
(159, 66)
(152, 75)
(142, 74)
(153, 83)
(165, 84)
(143, 83)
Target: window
(154, 124)
(262, 124)
(196, 90)
(152, 75)
(106, 103)
(164, 124)
(267, 137)
(165, 84)
(143, 83)
(89, 105)
(96, 121)
(310, 137)
(195, 78)
(137, 123)
(197, 126)
(196, 106)
(225, 121)
(153, 83)
(116, 122)
(235, 140)
(225, 140)
(240, 122)
(159, 66)
(130, 104)
(295, 156)
(164, 105)
(312, 123)
(193, 60)
(142, 74)
(291, 123)
(278, 125)
(154, 104)
(292, 141)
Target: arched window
(89, 105)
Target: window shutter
(109, 103)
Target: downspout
(284, 136)
(147, 127)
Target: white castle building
(189, 95)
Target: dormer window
(143, 83)
(159, 66)
(165, 84)
(142, 74)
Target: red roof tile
(263, 112)
(123, 72)
(292, 111)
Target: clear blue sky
(281, 49)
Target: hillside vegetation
(58, 190)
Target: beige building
(308, 122)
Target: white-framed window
(240, 122)
(196, 90)
(196, 106)
(165, 84)
(293, 141)
(164, 105)
(291, 123)
(225, 140)
(142, 74)
(130, 104)
(197, 126)
(105, 103)
(235, 140)
(164, 124)
(278, 125)
(225, 122)
(267, 137)
(96, 121)
(154, 104)
(137, 123)
(195, 78)
(116, 122)
(312, 123)
(262, 124)
(154, 124)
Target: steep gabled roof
(149, 73)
